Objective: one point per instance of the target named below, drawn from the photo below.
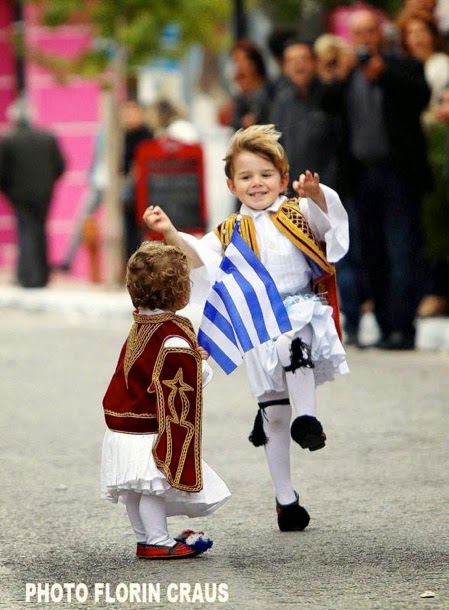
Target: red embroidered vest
(159, 390)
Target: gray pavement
(377, 493)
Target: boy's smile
(256, 182)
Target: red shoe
(156, 551)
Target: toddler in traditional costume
(151, 457)
(297, 241)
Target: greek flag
(244, 308)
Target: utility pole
(240, 20)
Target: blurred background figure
(93, 198)
(332, 53)
(31, 161)
(251, 100)
(171, 121)
(421, 39)
(310, 133)
(136, 130)
(276, 42)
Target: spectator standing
(309, 132)
(252, 100)
(275, 42)
(381, 101)
(422, 39)
(136, 131)
(31, 161)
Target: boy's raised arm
(157, 220)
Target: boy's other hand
(308, 185)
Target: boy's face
(256, 182)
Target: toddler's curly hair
(157, 277)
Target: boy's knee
(276, 416)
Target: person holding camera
(381, 100)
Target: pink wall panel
(66, 202)
(7, 95)
(65, 103)
(78, 150)
(68, 44)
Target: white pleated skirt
(127, 463)
(265, 371)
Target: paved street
(378, 493)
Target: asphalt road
(378, 493)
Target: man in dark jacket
(309, 132)
(30, 163)
(381, 101)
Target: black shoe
(292, 517)
(308, 432)
(396, 341)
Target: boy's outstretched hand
(157, 220)
(308, 185)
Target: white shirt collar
(274, 207)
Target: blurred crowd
(369, 113)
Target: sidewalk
(68, 295)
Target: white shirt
(285, 262)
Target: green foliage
(137, 25)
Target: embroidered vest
(156, 389)
(291, 222)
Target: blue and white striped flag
(244, 308)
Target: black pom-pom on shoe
(292, 517)
(308, 432)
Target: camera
(363, 54)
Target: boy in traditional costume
(151, 457)
(297, 241)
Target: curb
(432, 333)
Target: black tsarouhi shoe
(308, 432)
(292, 517)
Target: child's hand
(157, 220)
(308, 185)
(202, 352)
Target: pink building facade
(71, 111)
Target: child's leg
(148, 516)
(300, 382)
(291, 516)
(132, 508)
(295, 357)
(276, 423)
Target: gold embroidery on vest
(143, 329)
(291, 222)
(247, 231)
(185, 408)
(137, 341)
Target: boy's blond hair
(261, 140)
(157, 277)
